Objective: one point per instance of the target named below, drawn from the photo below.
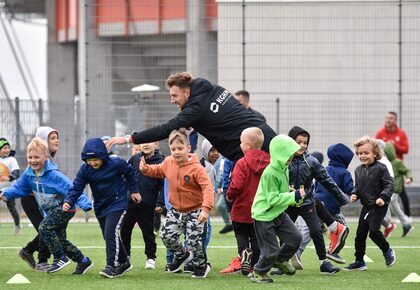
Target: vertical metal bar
(18, 127)
(40, 112)
(243, 47)
(400, 64)
(277, 115)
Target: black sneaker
(110, 272)
(246, 257)
(27, 257)
(176, 266)
(167, 270)
(226, 229)
(260, 278)
(83, 267)
(201, 272)
(407, 229)
(58, 264)
(124, 268)
(189, 267)
(328, 268)
(276, 271)
(336, 258)
(356, 266)
(390, 257)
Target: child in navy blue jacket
(143, 213)
(340, 157)
(109, 178)
(50, 187)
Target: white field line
(217, 247)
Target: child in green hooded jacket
(270, 221)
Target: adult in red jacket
(393, 134)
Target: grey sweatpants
(271, 252)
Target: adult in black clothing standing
(211, 110)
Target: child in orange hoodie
(191, 196)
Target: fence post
(40, 112)
(277, 115)
(17, 120)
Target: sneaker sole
(208, 269)
(364, 268)
(90, 266)
(230, 273)
(246, 262)
(127, 270)
(335, 259)
(103, 274)
(23, 257)
(61, 267)
(342, 240)
(296, 263)
(330, 273)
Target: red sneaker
(338, 238)
(388, 230)
(234, 267)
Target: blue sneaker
(390, 257)
(83, 267)
(356, 266)
(328, 268)
(58, 264)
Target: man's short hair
(182, 80)
(243, 93)
(393, 113)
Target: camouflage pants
(175, 225)
(53, 231)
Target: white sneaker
(150, 264)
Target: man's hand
(3, 198)
(408, 181)
(380, 202)
(353, 198)
(136, 197)
(66, 206)
(114, 141)
(203, 217)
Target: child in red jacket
(245, 179)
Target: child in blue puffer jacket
(50, 187)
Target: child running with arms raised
(191, 196)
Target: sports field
(87, 237)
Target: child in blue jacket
(109, 178)
(340, 157)
(50, 187)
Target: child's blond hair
(37, 144)
(179, 135)
(372, 141)
(255, 137)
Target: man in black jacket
(211, 110)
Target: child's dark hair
(372, 141)
(179, 135)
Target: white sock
(332, 227)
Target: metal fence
(332, 67)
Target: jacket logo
(187, 178)
(214, 107)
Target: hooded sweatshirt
(400, 170)
(211, 171)
(50, 187)
(273, 195)
(305, 168)
(109, 183)
(189, 186)
(214, 113)
(340, 157)
(43, 132)
(245, 179)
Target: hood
(257, 160)
(49, 166)
(282, 147)
(200, 86)
(339, 155)
(381, 144)
(94, 148)
(43, 132)
(205, 149)
(390, 152)
(296, 130)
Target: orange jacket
(189, 185)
